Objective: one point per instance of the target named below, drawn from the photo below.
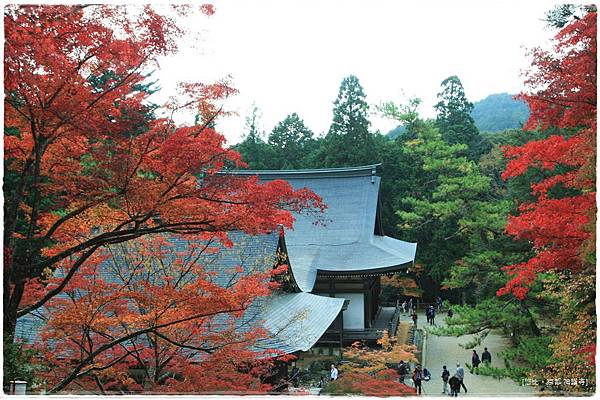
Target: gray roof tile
(342, 239)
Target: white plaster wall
(354, 316)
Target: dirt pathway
(443, 350)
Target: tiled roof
(296, 320)
(343, 241)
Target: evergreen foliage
(18, 363)
(292, 143)
(253, 148)
(454, 116)
(349, 141)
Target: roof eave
(372, 271)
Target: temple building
(330, 295)
(343, 253)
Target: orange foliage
(406, 286)
(381, 384)
(364, 359)
(86, 162)
(167, 318)
(89, 166)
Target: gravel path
(444, 350)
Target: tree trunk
(10, 310)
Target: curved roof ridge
(343, 172)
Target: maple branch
(78, 211)
(192, 262)
(107, 366)
(17, 109)
(561, 102)
(100, 385)
(187, 346)
(67, 120)
(118, 236)
(99, 243)
(207, 123)
(61, 286)
(73, 375)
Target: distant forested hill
(499, 112)
(495, 113)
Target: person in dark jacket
(450, 313)
(417, 378)
(486, 356)
(475, 359)
(454, 386)
(445, 377)
(426, 374)
(414, 318)
(402, 371)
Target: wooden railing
(393, 324)
(334, 336)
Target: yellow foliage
(407, 285)
(368, 360)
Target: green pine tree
(253, 148)
(291, 142)
(454, 116)
(349, 141)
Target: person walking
(414, 317)
(410, 304)
(445, 378)
(417, 378)
(460, 374)
(454, 386)
(486, 356)
(402, 371)
(438, 301)
(432, 316)
(333, 373)
(404, 306)
(428, 313)
(475, 359)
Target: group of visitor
(451, 384)
(486, 357)
(409, 307)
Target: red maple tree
(149, 315)
(562, 94)
(87, 165)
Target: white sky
(290, 56)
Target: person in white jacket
(334, 372)
(460, 374)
